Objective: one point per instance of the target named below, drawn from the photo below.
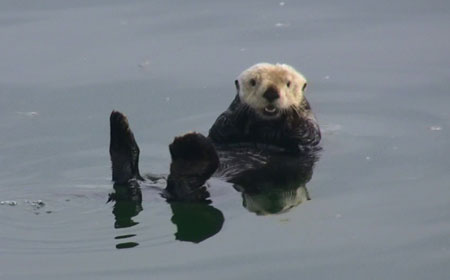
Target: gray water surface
(378, 75)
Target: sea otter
(265, 142)
(269, 108)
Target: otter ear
(304, 86)
(236, 83)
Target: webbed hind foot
(123, 150)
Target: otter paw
(194, 160)
(193, 146)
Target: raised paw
(193, 154)
(193, 146)
(194, 160)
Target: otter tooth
(270, 110)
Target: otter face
(270, 89)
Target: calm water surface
(379, 83)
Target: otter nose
(271, 94)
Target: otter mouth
(270, 110)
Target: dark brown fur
(293, 129)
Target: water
(378, 77)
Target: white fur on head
(254, 82)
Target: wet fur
(123, 150)
(295, 128)
(194, 160)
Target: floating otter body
(265, 144)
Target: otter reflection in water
(195, 220)
(270, 183)
(127, 204)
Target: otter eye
(304, 86)
(253, 82)
(288, 84)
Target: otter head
(270, 89)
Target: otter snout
(271, 94)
